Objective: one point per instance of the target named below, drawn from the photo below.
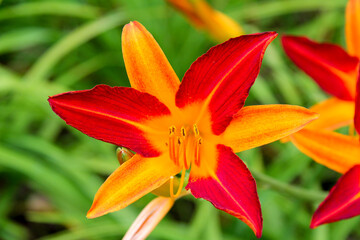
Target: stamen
(183, 132)
(178, 148)
(186, 164)
(172, 195)
(172, 130)
(197, 151)
(196, 130)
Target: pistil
(181, 184)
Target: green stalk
(297, 192)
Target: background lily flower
(196, 125)
(220, 26)
(336, 72)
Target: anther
(196, 130)
(183, 132)
(172, 129)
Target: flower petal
(222, 77)
(146, 64)
(334, 113)
(149, 218)
(219, 26)
(343, 200)
(230, 187)
(329, 65)
(132, 180)
(258, 125)
(333, 150)
(111, 114)
(352, 27)
(357, 106)
(187, 8)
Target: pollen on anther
(196, 130)
(172, 129)
(183, 132)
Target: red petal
(343, 200)
(329, 65)
(222, 77)
(357, 105)
(111, 114)
(231, 189)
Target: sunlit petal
(254, 126)
(343, 201)
(222, 77)
(334, 113)
(352, 27)
(329, 65)
(146, 65)
(333, 150)
(132, 180)
(187, 8)
(357, 106)
(229, 187)
(220, 26)
(149, 218)
(111, 114)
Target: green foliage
(49, 172)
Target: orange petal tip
(94, 213)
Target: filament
(197, 151)
(181, 184)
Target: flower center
(184, 150)
(184, 146)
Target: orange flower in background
(194, 126)
(336, 72)
(218, 25)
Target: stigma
(185, 145)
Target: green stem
(304, 194)
(271, 9)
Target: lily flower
(220, 26)
(195, 126)
(336, 71)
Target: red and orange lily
(199, 13)
(336, 72)
(196, 125)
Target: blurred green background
(49, 172)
